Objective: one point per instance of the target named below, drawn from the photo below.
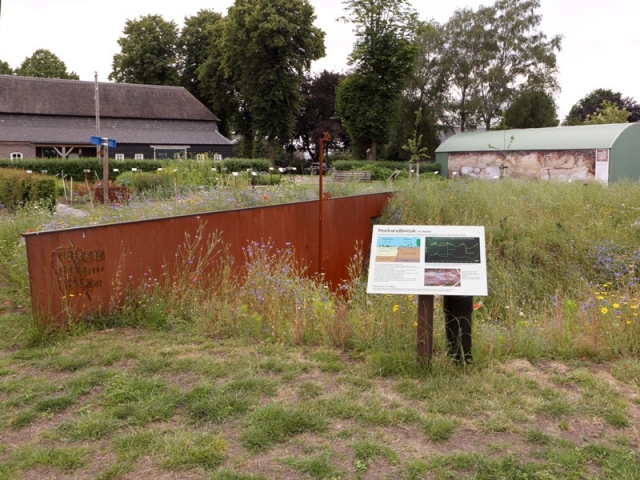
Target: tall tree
(45, 64)
(382, 57)
(218, 87)
(148, 52)
(428, 83)
(466, 49)
(268, 47)
(5, 68)
(531, 109)
(589, 105)
(407, 125)
(194, 47)
(519, 54)
(318, 112)
(492, 53)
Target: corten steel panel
(76, 272)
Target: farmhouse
(588, 152)
(43, 117)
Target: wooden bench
(352, 176)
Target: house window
(200, 157)
(217, 157)
(120, 156)
(16, 156)
(139, 156)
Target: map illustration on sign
(452, 250)
(398, 249)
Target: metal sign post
(105, 143)
(325, 138)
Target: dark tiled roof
(47, 96)
(76, 130)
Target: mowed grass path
(137, 403)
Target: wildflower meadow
(263, 372)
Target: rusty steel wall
(79, 271)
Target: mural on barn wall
(543, 165)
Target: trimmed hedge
(75, 168)
(17, 187)
(381, 169)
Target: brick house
(53, 118)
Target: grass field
(280, 379)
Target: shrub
(380, 170)
(144, 181)
(18, 187)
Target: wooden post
(425, 328)
(105, 169)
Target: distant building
(53, 118)
(587, 152)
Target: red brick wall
(28, 150)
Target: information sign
(428, 260)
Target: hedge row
(382, 170)
(17, 187)
(75, 168)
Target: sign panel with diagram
(428, 260)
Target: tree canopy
(531, 109)
(217, 85)
(489, 55)
(251, 67)
(608, 112)
(268, 47)
(148, 52)
(5, 68)
(193, 49)
(382, 57)
(593, 101)
(45, 64)
(318, 112)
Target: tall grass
(558, 254)
(562, 262)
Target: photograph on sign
(428, 260)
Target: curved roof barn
(606, 152)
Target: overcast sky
(600, 49)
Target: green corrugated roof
(555, 138)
